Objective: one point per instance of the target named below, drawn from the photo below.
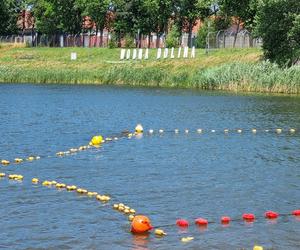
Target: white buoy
(140, 54)
(158, 56)
(161, 131)
(122, 54)
(193, 53)
(199, 130)
(166, 53)
(179, 52)
(146, 56)
(151, 131)
(213, 131)
(176, 131)
(186, 131)
(73, 56)
(128, 54)
(134, 52)
(185, 52)
(172, 53)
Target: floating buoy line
(141, 223)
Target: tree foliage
(278, 23)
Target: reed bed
(231, 70)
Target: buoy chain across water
(223, 131)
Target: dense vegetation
(228, 69)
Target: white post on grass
(193, 53)
(122, 54)
(146, 56)
(172, 52)
(128, 54)
(185, 52)
(166, 53)
(179, 52)
(73, 56)
(140, 54)
(134, 54)
(158, 53)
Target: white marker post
(166, 53)
(193, 53)
(128, 54)
(172, 52)
(134, 52)
(185, 52)
(73, 56)
(158, 53)
(140, 54)
(179, 52)
(146, 56)
(122, 54)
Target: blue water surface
(165, 176)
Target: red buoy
(296, 212)
(249, 217)
(201, 222)
(182, 223)
(271, 215)
(225, 220)
(141, 224)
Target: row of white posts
(139, 54)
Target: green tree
(190, 12)
(243, 12)
(3, 17)
(98, 11)
(278, 23)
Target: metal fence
(230, 39)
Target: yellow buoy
(292, 130)
(278, 130)
(35, 180)
(132, 211)
(131, 217)
(30, 158)
(5, 162)
(159, 232)
(126, 211)
(258, 248)
(96, 140)
(139, 129)
(18, 160)
(46, 183)
(121, 209)
(187, 239)
(115, 206)
(2, 175)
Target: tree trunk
(96, 38)
(149, 40)
(237, 31)
(101, 37)
(190, 42)
(157, 40)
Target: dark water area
(164, 176)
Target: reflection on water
(165, 176)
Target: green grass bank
(238, 70)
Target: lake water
(165, 177)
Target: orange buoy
(182, 223)
(271, 215)
(141, 224)
(201, 222)
(296, 212)
(249, 217)
(225, 220)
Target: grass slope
(227, 69)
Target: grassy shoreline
(238, 70)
